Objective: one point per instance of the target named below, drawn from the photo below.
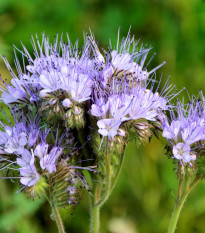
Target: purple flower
(45, 61)
(125, 61)
(14, 137)
(15, 93)
(146, 104)
(109, 127)
(187, 126)
(50, 81)
(182, 152)
(72, 73)
(55, 67)
(116, 106)
(81, 88)
(48, 159)
(27, 144)
(23, 134)
(126, 102)
(111, 112)
(29, 175)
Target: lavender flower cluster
(61, 91)
(27, 141)
(186, 130)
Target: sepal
(65, 187)
(38, 189)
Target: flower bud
(121, 132)
(69, 118)
(44, 95)
(77, 110)
(142, 125)
(52, 101)
(69, 114)
(67, 103)
(79, 121)
(58, 109)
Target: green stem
(96, 206)
(195, 182)
(58, 220)
(176, 213)
(95, 211)
(55, 211)
(98, 203)
(118, 172)
(108, 181)
(180, 186)
(181, 200)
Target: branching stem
(181, 199)
(99, 202)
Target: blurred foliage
(143, 198)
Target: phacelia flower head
(41, 157)
(184, 130)
(56, 72)
(28, 146)
(124, 89)
(111, 112)
(127, 102)
(125, 61)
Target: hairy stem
(108, 181)
(55, 211)
(95, 211)
(58, 220)
(180, 186)
(118, 172)
(100, 201)
(181, 199)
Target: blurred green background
(144, 195)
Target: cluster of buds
(74, 117)
(52, 103)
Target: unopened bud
(44, 95)
(142, 125)
(52, 101)
(121, 132)
(57, 108)
(77, 110)
(79, 121)
(67, 103)
(69, 114)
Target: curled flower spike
(39, 160)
